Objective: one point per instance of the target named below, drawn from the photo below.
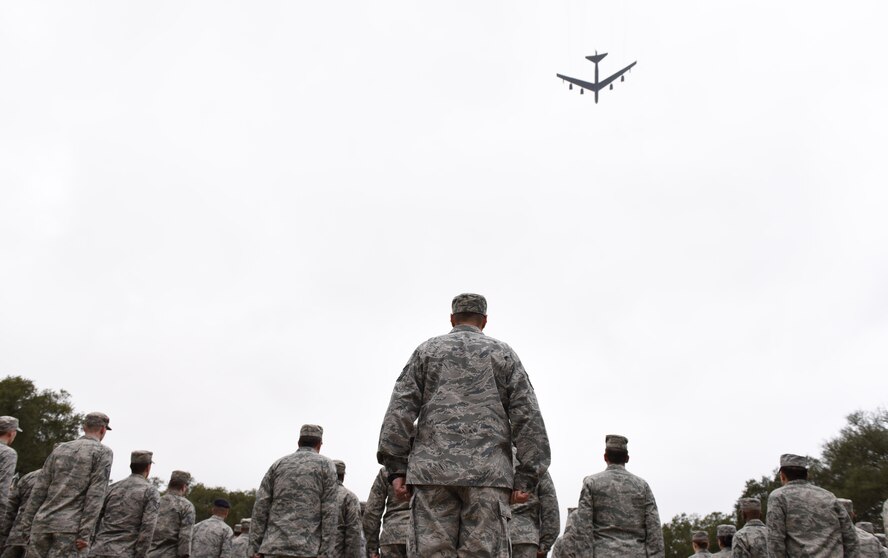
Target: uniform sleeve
(550, 518)
(352, 518)
(528, 430)
(149, 520)
(397, 426)
(329, 513)
(739, 549)
(776, 521)
(849, 536)
(653, 540)
(577, 539)
(8, 460)
(261, 509)
(225, 545)
(186, 524)
(12, 507)
(94, 499)
(373, 512)
(38, 494)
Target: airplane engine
(622, 78)
(612, 87)
(571, 86)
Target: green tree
(855, 464)
(47, 417)
(677, 533)
(202, 497)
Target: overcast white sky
(222, 220)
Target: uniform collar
(611, 466)
(466, 327)
(755, 522)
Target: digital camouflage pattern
(295, 513)
(616, 516)
(723, 553)
(211, 538)
(806, 520)
(11, 521)
(240, 546)
(172, 532)
(556, 548)
(751, 541)
(868, 545)
(126, 524)
(885, 516)
(384, 509)
(8, 461)
(537, 522)
(348, 530)
(70, 490)
(473, 400)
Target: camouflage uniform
(211, 538)
(12, 540)
(616, 516)
(700, 537)
(535, 523)
(725, 531)
(868, 545)
(172, 532)
(348, 532)
(473, 401)
(556, 548)
(126, 525)
(240, 546)
(751, 541)
(295, 512)
(67, 497)
(885, 516)
(392, 543)
(806, 520)
(8, 461)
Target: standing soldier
(295, 512)
(617, 514)
(240, 546)
(126, 524)
(16, 541)
(211, 538)
(868, 544)
(67, 497)
(348, 532)
(236, 531)
(535, 523)
(752, 540)
(175, 519)
(806, 520)
(394, 516)
(725, 536)
(700, 544)
(9, 427)
(473, 402)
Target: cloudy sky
(222, 220)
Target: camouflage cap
(141, 457)
(8, 423)
(340, 466)
(700, 537)
(790, 460)
(847, 504)
(245, 523)
(866, 526)
(750, 504)
(725, 530)
(311, 430)
(183, 477)
(97, 420)
(236, 528)
(615, 441)
(469, 302)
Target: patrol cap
(141, 457)
(97, 419)
(790, 460)
(311, 430)
(245, 523)
(866, 526)
(8, 423)
(615, 441)
(340, 466)
(725, 530)
(222, 503)
(236, 528)
(847, 504)
(183, 477)
(700, 537)
(750, 504)
(469, 302)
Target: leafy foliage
(46, 417)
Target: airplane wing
(583, 84)
(608, 81)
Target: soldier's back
(240, 546)
(127, 504)
(811, 521)
(751, 541)
(211, 538)
(19, 494)
(174, 515)
(348, 536)
(620, 500)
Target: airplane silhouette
(598, 85)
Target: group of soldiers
(465, 459)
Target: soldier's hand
(402, 490)
(519, 496)
(80, 544)
(374, 555)
(541, 554)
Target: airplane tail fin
(596, 57)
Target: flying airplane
(598, 85)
